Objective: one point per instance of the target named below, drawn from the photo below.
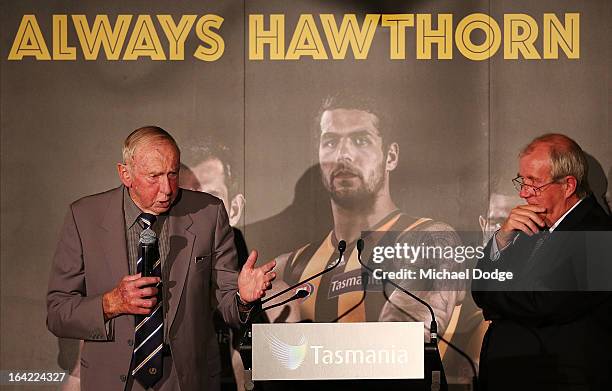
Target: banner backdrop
(457, 87)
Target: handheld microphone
(148, 251)
(341, 249)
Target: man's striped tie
(149, 338)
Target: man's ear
(392, 157)
(124, 174)
(482, 222)
(570, 186)
(236, 209)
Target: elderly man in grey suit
(152, 332)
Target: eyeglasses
(519, 184)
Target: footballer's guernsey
(333, 293)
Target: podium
(341, 356)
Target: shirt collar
(130, 210)
(556, 224)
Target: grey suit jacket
(91, 259)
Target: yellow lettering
(216, 43)
(144, 41)
(426, 36)
(176, 34)
(29, 41)
(258, 37)
(360, 39)
(61, 50)
(306, 40)
(492, 36)
(101, 34)
(397, 24)
(566, 37)
(520, 32)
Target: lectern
(341, 356)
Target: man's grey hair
(142, 135)
(566, 159)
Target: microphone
(364, 283)
(436, 378)
(341, 249)
(433, 328)
(148, 251)
(245, 341)
(360, 245)
(300, 294)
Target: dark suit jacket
(550, 330)
(91, 258)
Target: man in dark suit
(95, 293)
(550, 326)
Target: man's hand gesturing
(254, 282)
